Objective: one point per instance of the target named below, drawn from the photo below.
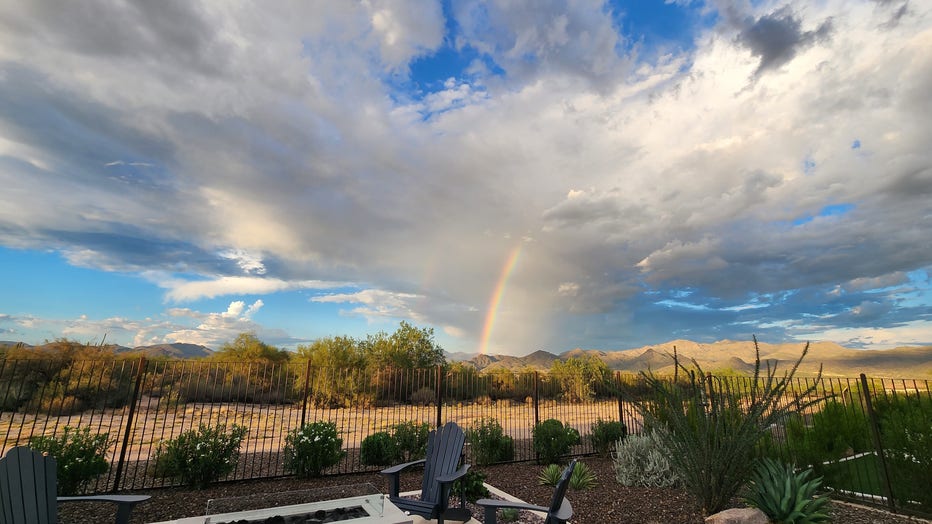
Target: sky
(515, 175)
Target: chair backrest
(27, 487)
(444, 449)
(560, 491)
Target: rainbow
(496, 299)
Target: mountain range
(914, 362)
(733, 357)
(174, 350)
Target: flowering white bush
(200, 456)
(313, 447)
(79, 456)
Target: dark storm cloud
(585, 209)
(898, 13)
(777, 38)
(148, 31)
(126, 248)
(82, 136)
(913, 184)
(701, 318)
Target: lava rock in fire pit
(316, 517)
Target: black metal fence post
(304, 394)
(536, 399)
(621, 408)
(134, 399)
(439, 395)
(878, 443)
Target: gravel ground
(609, 502)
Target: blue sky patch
(833, 210)
(660, 26)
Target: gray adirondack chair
(441, 470)
(28, 482)
(560, 509)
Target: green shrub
(907, 436)
(472, 486)
(605, 433)
(60, 405)
(410, 440)
(424, 397)
(508, 514)
(834, 432)
(79, 456)
(313, 447)
(582, 477)
(378, 449)
(641, 460)
(573, 435)
(550, 475)
(579, 379)
(406, 442)
(712, 426)
(488, 442)
(785, 496)
(552, 440)
(200, 456)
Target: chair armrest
(124, 503)
(394, 475)
(394, 470)
(452, 477)
(116, 499)
(501, 504)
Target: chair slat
(560, 490)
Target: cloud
(243, 150)
(531, 40)
(910, 333)
(777, 37)
(214, 329)
(211, 329)
(248, 262)
(406, 29)
(581, 207)
(182, 290)
(376, 304)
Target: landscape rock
(738, 516)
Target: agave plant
(550, 475)
(784, 495)
(582, 477)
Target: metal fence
(870, 439)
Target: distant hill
(535, 360)
(738, 357)
(175, 350)
(458, 356)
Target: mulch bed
(607, 503)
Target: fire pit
(357, 504)
(311, 516)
